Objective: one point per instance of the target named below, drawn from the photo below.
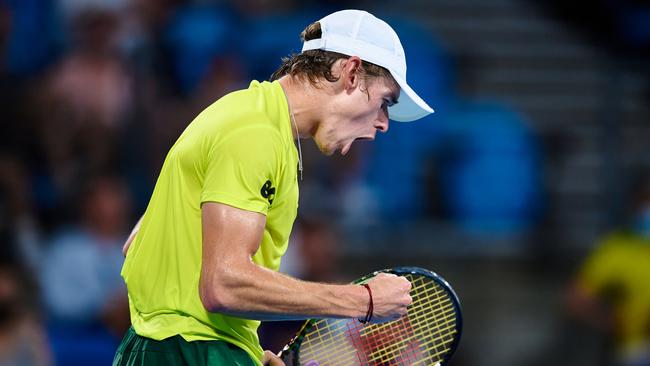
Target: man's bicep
(229, 233)
(230, 238)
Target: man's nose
(382, 123)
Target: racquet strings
(423, 337)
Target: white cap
(359, 33)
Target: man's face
(356, 114)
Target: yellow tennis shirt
(621, 266)
(239, 151)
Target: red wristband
(368, 317)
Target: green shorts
(138, 350)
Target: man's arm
(233, 284)
(585, 306)
(129, 240)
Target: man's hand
(390, 294)
(271, 359)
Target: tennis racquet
(427, 335)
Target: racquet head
(427, 335)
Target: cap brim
(410, 106)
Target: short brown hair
(317, 64)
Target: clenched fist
(390, 295)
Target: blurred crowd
(93, 94)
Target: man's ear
(350, 72)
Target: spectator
(83, 102)
(612, 292)
(84, 294)
(22, 335)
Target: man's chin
(327, 150)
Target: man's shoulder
(244, 119)
(241, 109)
(253, 99)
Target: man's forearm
(254, 292)
(232, 283)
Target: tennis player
(201, 264)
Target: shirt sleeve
(241, 168)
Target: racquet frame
(290, 352)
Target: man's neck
(300, 97)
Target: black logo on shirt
(268, 192)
